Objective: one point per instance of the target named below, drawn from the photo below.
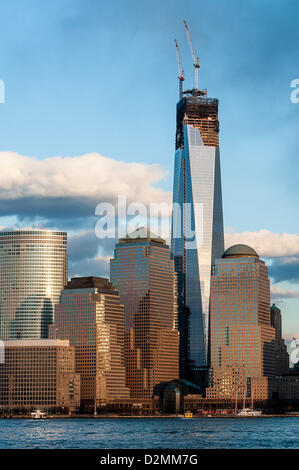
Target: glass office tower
(197, 222)
(33, 271)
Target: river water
(140, 433)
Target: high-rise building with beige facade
(91, 316)
(33, 270)
(242, 353)
(38, 374)
(143, 273)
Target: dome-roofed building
(242, 355)
(240, 251)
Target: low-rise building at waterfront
(39, 374)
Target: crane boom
(194, 56)
(181, 72)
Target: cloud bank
(64, 191)
(280, 293)
(66, 187)
(266, 243)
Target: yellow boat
(188, 414)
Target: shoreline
(172, 416)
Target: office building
(91, 316)
(39, 374)
(143, 273)
(197, 222)
(281, 353)
(242, 355)
(33, 270)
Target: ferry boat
(249, 412)
(188, 414)
(38, 414)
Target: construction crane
(195, 58)
(181, 72)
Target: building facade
(197, 222)
(281, 353)
(242, 354)
(143, 273)
(91, 316)
(33, 270)
(39, 374)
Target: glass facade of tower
(143, 273)
(33, 271)
(197, 223)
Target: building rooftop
(142, 233)
(33, 343)
(90, 282)
(240, 251)
(274, 307)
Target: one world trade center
(197, 222)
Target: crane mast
(194, 56)
(181, 72)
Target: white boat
(249, 412)
(38, 414)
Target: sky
(90, 99)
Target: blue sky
(96, 77)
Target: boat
(249, 412)
(188, 414)
(38, 414)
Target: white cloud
(86, 176)
(279, 293)
(267, 244)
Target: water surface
(105, 433)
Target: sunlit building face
(33, 271)
(90, 315)
(241, 335)
(39, 373)
(143, 273)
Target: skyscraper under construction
(197, 221)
